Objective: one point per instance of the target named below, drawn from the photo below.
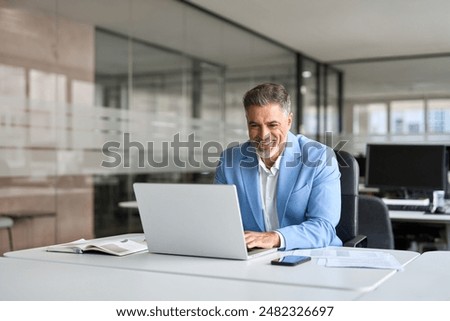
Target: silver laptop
(193, 219)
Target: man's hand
(265, 240)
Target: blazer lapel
(250, 177)
(290, 166)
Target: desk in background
(421, 217)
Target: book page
(71, 247)
(119, 247)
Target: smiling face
(268, 127)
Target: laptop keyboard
(255, 250)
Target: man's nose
(265, 133)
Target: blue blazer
(308, 191)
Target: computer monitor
(407, 168)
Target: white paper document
(359, 259)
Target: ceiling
(360, 37)
(333, 30)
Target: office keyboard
(403, 207)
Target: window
(407, 117)
(370, 118)
(439, 116)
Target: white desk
(421, 217)
(425, 278)
(255, 270)
(40, 280)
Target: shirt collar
(274, 169)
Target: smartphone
(291, 260)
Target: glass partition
(97, 95)
(332, 101)
(309, 91)
(46, 63)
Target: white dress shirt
(268, 186)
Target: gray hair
(266, 94)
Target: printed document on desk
(354, 258)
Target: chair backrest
(374, 222)
(348, 224)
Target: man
(288, 186)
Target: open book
(119, 247)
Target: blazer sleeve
(322, 210)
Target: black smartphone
(291, 260)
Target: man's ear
(290, 119)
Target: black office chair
(374, 222)
(347, 229)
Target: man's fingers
(261, 239)
(249, 239)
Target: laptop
(193, 219)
